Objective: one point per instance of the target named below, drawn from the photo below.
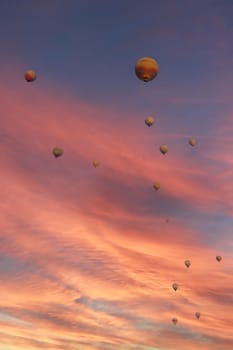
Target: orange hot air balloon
(175, 286)
(163, 149)
(174, 320)
(187, 263)
(57, 152)
(30, 76)
(156, 186)
(146, 68)
(95, 163)
(197, 314)
(149, 121)
(218, 258)
(192, 142)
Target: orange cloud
(86, 253)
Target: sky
(88, 255)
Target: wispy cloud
(87, 256)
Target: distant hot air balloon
(149, 121)
(187, 263)
(57, 152)
(95, 163)
(197, 314)
(167, 220)
(218, 258)
(175, 286)
(30, 75)
(163, 149)
(156, 186)
(146, 68)
(174, 320)
(192, 142)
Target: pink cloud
(81, 236)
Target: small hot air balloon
(174, 320)
(149, 121)
(187, 263)
(167, 220)
(30, 75)
(192, 142)
(146, 68)
(163, 149)
(218, 258)
(175, 286)
(57, 152)
(156, 186)
(95, 163)
(197, 314)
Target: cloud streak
(88, 250)
(88, 255)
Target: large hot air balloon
(57, 152)
(175, 286)
(192, 142)
(149, 121)
(95, 163)
(30, 75)
(197, 314)
(218, 258)
(146, 68)
(163, 149)
(174, 320)
(156, 186)
(187, 263)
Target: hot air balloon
(30, 75)
(57, 152)
(218, 258)
(192, 142)
(163, 149)
(175, 286)
(146, 68)
(149, 121)
(174, 320)
(197, 314)
(95, 163)
(156, 186)
(187, 263)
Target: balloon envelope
(192, 142)
(156, 186)
(146, 68)
(175, 286)
(197, 314)
(163, 149)
(149, 121)
(57, 152)
(30, 75)
(187, 263)
(218, 258)
(174, 320)
(96, 163)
